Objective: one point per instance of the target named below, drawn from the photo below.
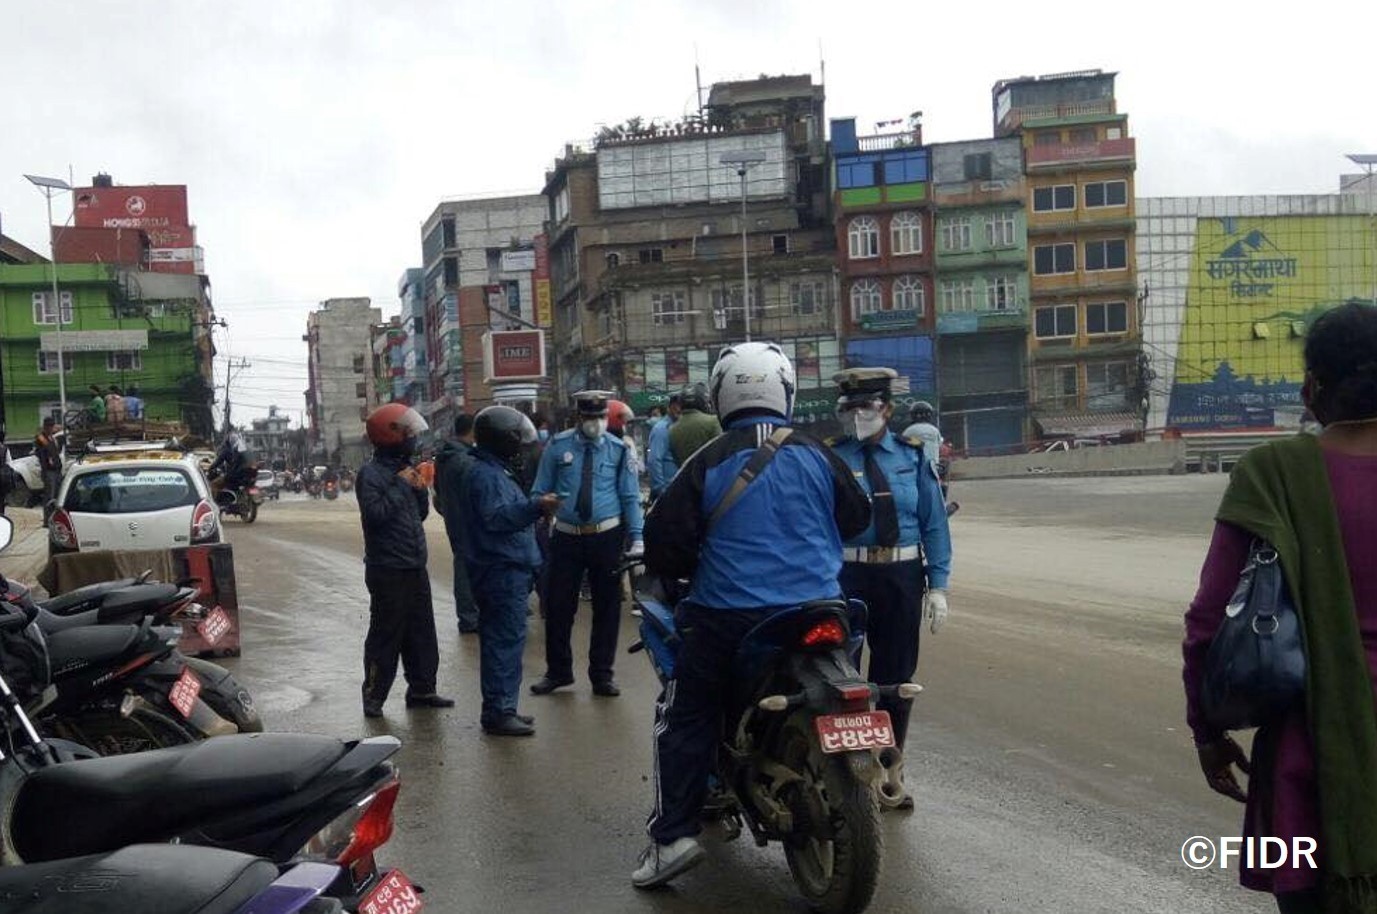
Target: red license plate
(855, 732)
(394, 895)
(184, 692)
(215, 626)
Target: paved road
(1052, 767)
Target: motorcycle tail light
(828, 633)
(358, 831)
(204, 521)
(62, 531)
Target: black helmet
(922, 411)
(503, 431)
(695, 396)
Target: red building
(158, 211)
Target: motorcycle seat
(158, 795)
(137, 600)
(168, 878)
(92, 643)
(62, 603)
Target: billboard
(544, 303)
(689, 170)
(1255, 285)
(159, 211)
(513, 355)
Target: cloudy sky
(316, 136)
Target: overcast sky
(316, 136)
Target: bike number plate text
(184, 692)
(394, 895)
(215, 626)
(855, 732)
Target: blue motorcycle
(804, 753)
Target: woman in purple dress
(1314, 769)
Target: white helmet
(752, 376)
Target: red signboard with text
(159, 211)
(513, 355)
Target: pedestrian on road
(393, 503)
(659, 458)
(451, 463)
(502, 556)
(97, 405)
(900, 564)
(1314, 499)
(923, 428)
(49, 464)
(696, 425)
(600, 510)
(777, 547)
(619, 415)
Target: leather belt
(880, 555)
(588, 529)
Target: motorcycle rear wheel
(837, 874)
(251, 512)
(107, 732)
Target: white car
(133, 498)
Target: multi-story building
(482, 272)
(389, 381)
(1084, 351)
(981, 301)
(884, 226)
(150, 217)
(267, 438)
(645, 235)
(415, 379)
(341, 391)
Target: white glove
(935, 609)
(637, 550)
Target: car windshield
(130, 490)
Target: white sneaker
(662, 863)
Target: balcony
(1059, 155)
(881, 142)
(1019, 117)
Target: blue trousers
(501, 592)
(464, 608)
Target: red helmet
(618, 414)
(392, 424)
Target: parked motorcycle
(314, 488)
(346, 483)
(331, 490)
(804, 753)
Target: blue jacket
(499, 517)
(779, 545)
(659, 458)
(917, 499)
(392, 511)
(451, 465)
(616, 492)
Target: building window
(906, 233)
(652, 255)
(614, 260)
(1001, 294)
(1106, 193)
(1114, 133)
(358, 364)
(1106, 255)
(976, 166)
(1055, 322)
(1057, 386)
(999, 231)
(1106, 317)
(1047, 138)
(45, 313)
(1052, 259)
(562, 204)
(1084, 135)
(863, 238)
(956, 233)
(806, 297)
(1054, 198)
(667, 308)
(361, 390)
(908, 295)
(958, 296)
(1106, 385)
(447, 233)
(123, 361)
(866, 298)
(728, 301)
(451, 267)
(781, 243)
(47, 362)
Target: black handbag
(1255, 669)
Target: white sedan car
(136, 499)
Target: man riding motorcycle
(753, 545)
(232, 467)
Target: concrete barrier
(1153, 457)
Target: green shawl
(1280, 492)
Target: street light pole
(743, 162)
(50, 186)
(1367, 161)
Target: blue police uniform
(501, 556)
(659, 458)
(599, 512)
(886, 569)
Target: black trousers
(401, 625)
(688, 716)
(894, 595)
(570, 556)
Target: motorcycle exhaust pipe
(202, 718)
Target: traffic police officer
(592, 473)
(900, 564)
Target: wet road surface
(1049, 757)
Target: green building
(120, 326)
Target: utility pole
(230, 374)
(743, 162)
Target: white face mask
(593, 428)
(863, 423)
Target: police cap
(862, 385)
(592, 403)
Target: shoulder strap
(753, 468)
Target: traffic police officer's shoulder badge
(567, 457)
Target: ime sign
(513, 355)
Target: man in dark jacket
(451, 464)
(393, 502)
(49, 464)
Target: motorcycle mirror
(6, 532)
